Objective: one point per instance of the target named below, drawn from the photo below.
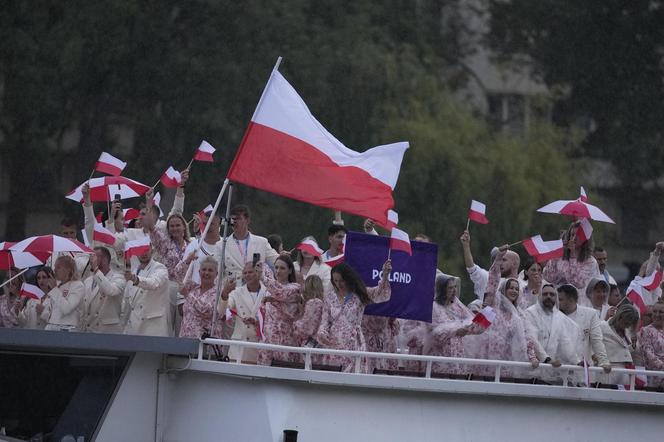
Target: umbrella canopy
(20, 260)
(577, 208)
(50, 244)
(105, 189)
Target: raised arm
(382, 292)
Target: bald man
(509, 267)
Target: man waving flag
(286, 151)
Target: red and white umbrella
(578, 208)
(105, 189)
(20, 260)
(50, 244)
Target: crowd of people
(567, 310)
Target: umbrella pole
(14, 277)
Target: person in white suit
(241, 246)
(590, 341)
(62, 310)
(148, 298)
(244, 303)
(100, 312)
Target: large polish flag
(107, 163)
(543, 250)
(286, 151)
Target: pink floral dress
(8, 317)
(441, 339)
(380, 335)
(279, 318)
(651, 344)
(341, 323)
(578, 273)
(198, 308)
(169, 251)
(306, 327)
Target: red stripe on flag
(276, 162)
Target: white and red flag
(31, 291)
(107, 163)
(204, 152)
(286, 151)
(477, 212)
(171, 178)
(392, 219)
(636, 287)
(103, 235)
(130, 214)
(137, 247)
(156, 200)
(230, 313)
(399, 240)
(310, 246)
(334, 260)
(584, 231)
(582, 195)
(543, 250)
(485, 317)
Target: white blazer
(245, 304)
(235, 259)
(65, 301)
(102, 304)
(149, 302)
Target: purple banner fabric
(412, 278)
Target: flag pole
(222, 261)
(14, 277)
(467, 223)
(190, 163)
(514, 244)
(155, 184)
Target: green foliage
(175, 73)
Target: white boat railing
(577, 371)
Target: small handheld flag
(399, 240)
(108, 164)
(171, 178)
(477, 213)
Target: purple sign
(412, 278)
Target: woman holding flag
(343, 308)
(28, 316)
